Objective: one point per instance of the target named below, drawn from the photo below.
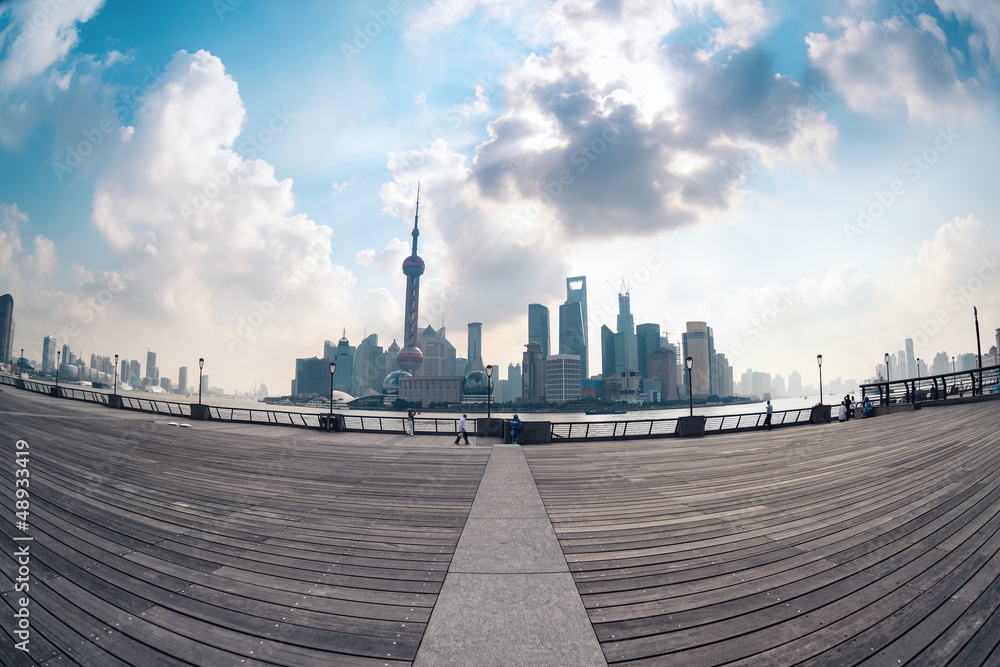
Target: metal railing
(948, 386)
(562, 431)
(397, 424)
(632, 429)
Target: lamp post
(20, 364)
(689, 362)
(918, 368)
(979, 350)
(333, 369)
(201, 365)
(887, 378)
(819, 362)
(953, 364)
(489, 389)
(58, 354)
(116, 375)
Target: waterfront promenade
(874, 542)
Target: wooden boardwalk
(160, 545)
(874, 542)
(870, 542)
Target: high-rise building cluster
(638, 362)
(426, 369)
(904, 365)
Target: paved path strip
(508, 597)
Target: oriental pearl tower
(410, 358)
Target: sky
(236, 180)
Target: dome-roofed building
(476, 384)
(390, 385)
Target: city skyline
(807, 178)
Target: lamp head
(201, 362)
(489, 370)
(887, 357)
(333, 367)
(819, 360)
(689, 362)
(116, 360)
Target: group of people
(846, 412)
(515, 427)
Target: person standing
(411, 418)
(842, 411)
(461, 431)
(515, 429)
(767, 419)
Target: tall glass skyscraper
(475, 349)
(49, 355)
(6, 327)
(572, 333)
(647, 338)
(699, 344)
(576, 291)
(538, 327)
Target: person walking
(461, 431)
(767, 419)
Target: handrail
(635, 429)
(943, 387)
(564, 431)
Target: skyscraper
(661, 364)
(576, 290)
(344, 375)
(152, 373)
(6, 327)
(538, 326)
(911, 361)
(533, 373)
(368, 370)
(699, 344)
(182, 380)
(626, 329)
(439, 354)
(410, 358)
(609, 366)
(49, 355)
(647, 337)
(562, 378)
(573, 333)
(514, 378)
(475, 349)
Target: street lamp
(953, 364)
(918, 368)
(689, 362)
(116, 375)
(887, 378)
(58, 354)
(20, 364)
(201, 365)
(819, 362)
(333, 369)
(979, 351)
(489, 391)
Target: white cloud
(851, 314)
(222, 263)
(40, 34)
(985, 16)
(880, 67)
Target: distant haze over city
(237, 181)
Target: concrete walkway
(508, 598)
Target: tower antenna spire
(416, 220)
